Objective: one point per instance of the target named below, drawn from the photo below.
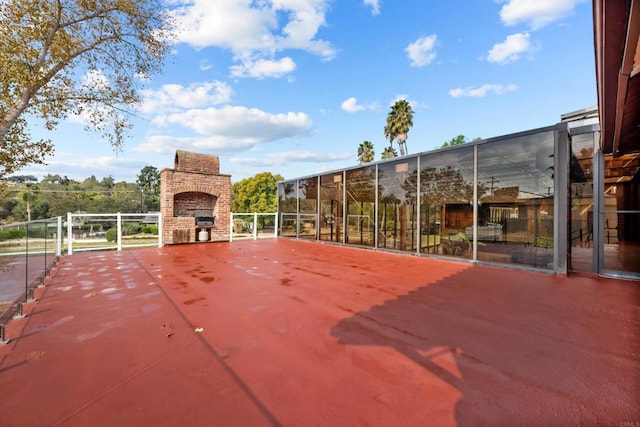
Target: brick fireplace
(194, 187)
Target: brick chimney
(194, 185)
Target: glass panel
(360, 206)
(581, 222)
(308, 226)
(446, 202)
(515, 200)
(621, 217)
(308, 195)
(287, 201)
(397, 205)
(331, 225)
(289, 225)
(288, 208)
(621, 242)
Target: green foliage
(111, 235)
(389, 153)
(460, 139)
(56, 195)
(12, 233)
(399, 121)
(544, 242)
(150, 229)
(74, 57)
(21, 179)
(129, 228)
(256, 194)
(149, 183)
(365, 152)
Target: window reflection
(515, 200)
(331, 189)
(308, 203)
(361, 206)
(397, 206)
(514, 206)
(446, 202)
(288, 207)
(581, 207)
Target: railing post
(69, 233)
(275, 226)
(159, 230)
(231, 228)
(59, 239)
(255, 225)
(46, 268)
(26, 265)
(119, 228)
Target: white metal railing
(247, 226)
(84, 240)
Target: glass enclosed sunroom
(524, 200)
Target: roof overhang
(617, 57)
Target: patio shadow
(518, 348)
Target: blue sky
(294, 86)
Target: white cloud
(95, 79)
(375, 6)
(535, 13)
(264, 68)
(226, 129)
(351, 106)
(511, 49)
(481, 91)
(255, 30)
(174, 97)
(421, 52)
(282, 158)
(167, 144)
(240, 122)
(205, 65)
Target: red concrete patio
(285, 332)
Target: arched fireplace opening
(195, 199)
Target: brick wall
(194, 184)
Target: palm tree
(365, 152)
(399, 121)
(29, 197)
(389, 153)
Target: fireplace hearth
(195, 199)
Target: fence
(87, 232)
(253, 226)
(29, 252)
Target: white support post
(159, 230)
(119, 228)
(231, 227)
(69, 233)
(59, 235)
(255, 226)
(275, 228)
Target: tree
(460, 139)
(365, 152)
(74, 57)
(399, 121)
(256, 194)
(389, 153)
(28, 197)
(20, 179)
(149, 183)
